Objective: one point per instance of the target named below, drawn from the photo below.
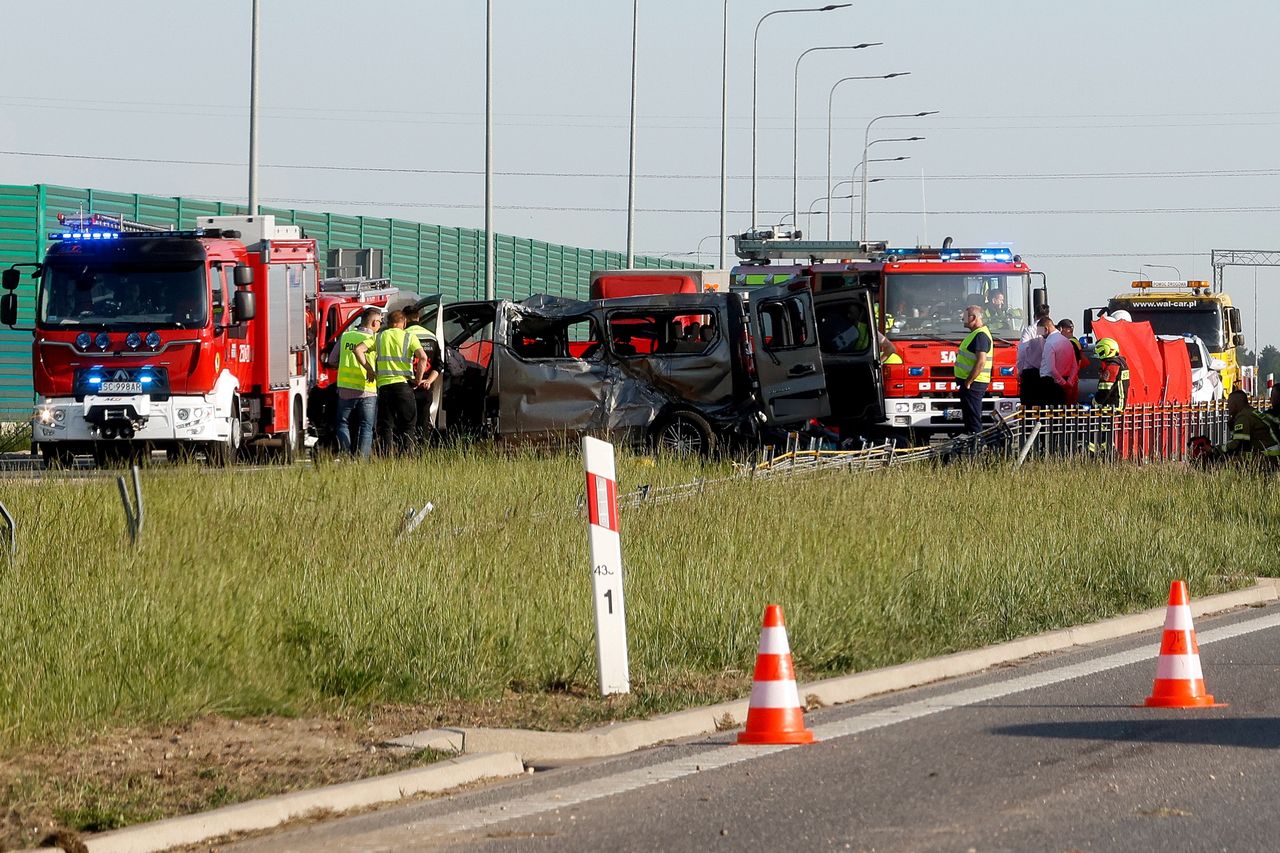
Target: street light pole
(489, 289)
(631, 164)
(795, 113)
(830, 99)
(808, 223)
(724, 129)
(253, 115)
(1166, 267)
(1138, 273)
(866, 144)
(865, 182)
(755, 49)
(853, 178)
(698, 253)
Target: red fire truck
(916, 299)
(181, 340)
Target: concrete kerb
(273, 811)
(536, 747)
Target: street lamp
(631, 162)
(253, 115)
(1166, 267)
(703, 240)
(830, 99)
(724, 128)
(489, 277)
(795, 112)
(808, 223)
(866, 144)
(755, 49)
(1138, 273)
(853, 177)
(866, 148)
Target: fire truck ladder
(760, 247)
(108, 222)
(1223, 258)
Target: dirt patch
(132, 775)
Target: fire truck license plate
(953, 415)
(120, 388)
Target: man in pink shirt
(1059, 369)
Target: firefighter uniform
(978, 340)
(397, 410)
(1251, 435)
(1113, 383)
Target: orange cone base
(1182, 702)
(764, 738)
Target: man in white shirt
(1059, 365)
(1030, 354)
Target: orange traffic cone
(1179, 681)
(774, 715)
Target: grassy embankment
(285, 592)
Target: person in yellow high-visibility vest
(401, 365)
(357, 384)
(973, 368)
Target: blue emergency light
(915, 371)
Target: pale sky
(1089, 136)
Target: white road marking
(725, 755)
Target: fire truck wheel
(683, 434)
(294, 442)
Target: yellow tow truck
(1188, 308)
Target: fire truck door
(851, 353)
(788, 363)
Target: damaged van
(686, 372)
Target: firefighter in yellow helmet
(1113, 375)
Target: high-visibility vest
(1113, 392)
(967, 359)
(350, 373)
(395, 356)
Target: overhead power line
(533, 173)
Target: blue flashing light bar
(984, 254)
(116, 235)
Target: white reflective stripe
(1180, 667)
(1178, 618)
(773, 641)
(775, 694)
(604, 511)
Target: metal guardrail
(1147, 433)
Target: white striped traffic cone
(1179, 680)
(774, 715)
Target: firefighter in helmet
(1252, 437)
(1113, 375)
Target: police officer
(357, 384)
(401, 365)
(1113, 375)
(973, 368)
(422, 392)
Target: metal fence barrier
(1145, 433)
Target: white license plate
(953, 415)
(120, 388)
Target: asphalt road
(1048, 755)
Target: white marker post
(606, 566)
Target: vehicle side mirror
(1038, 299)
(242, 304)
(1217, 364)
(1234, 316)
(242, 275)
(1237, 340)
(1086, 322)
(11, 279)
(9, 306)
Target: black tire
(223, 454)
(683, 434)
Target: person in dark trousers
(973, 368)
(422, 391)
(357, 385)
(1030, 352)
(1252, 438)
(401, 366)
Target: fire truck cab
(915, 299)
(148, 338)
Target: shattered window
(662, 333)
(537, 338)
(783, 324)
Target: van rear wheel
(684, 434)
